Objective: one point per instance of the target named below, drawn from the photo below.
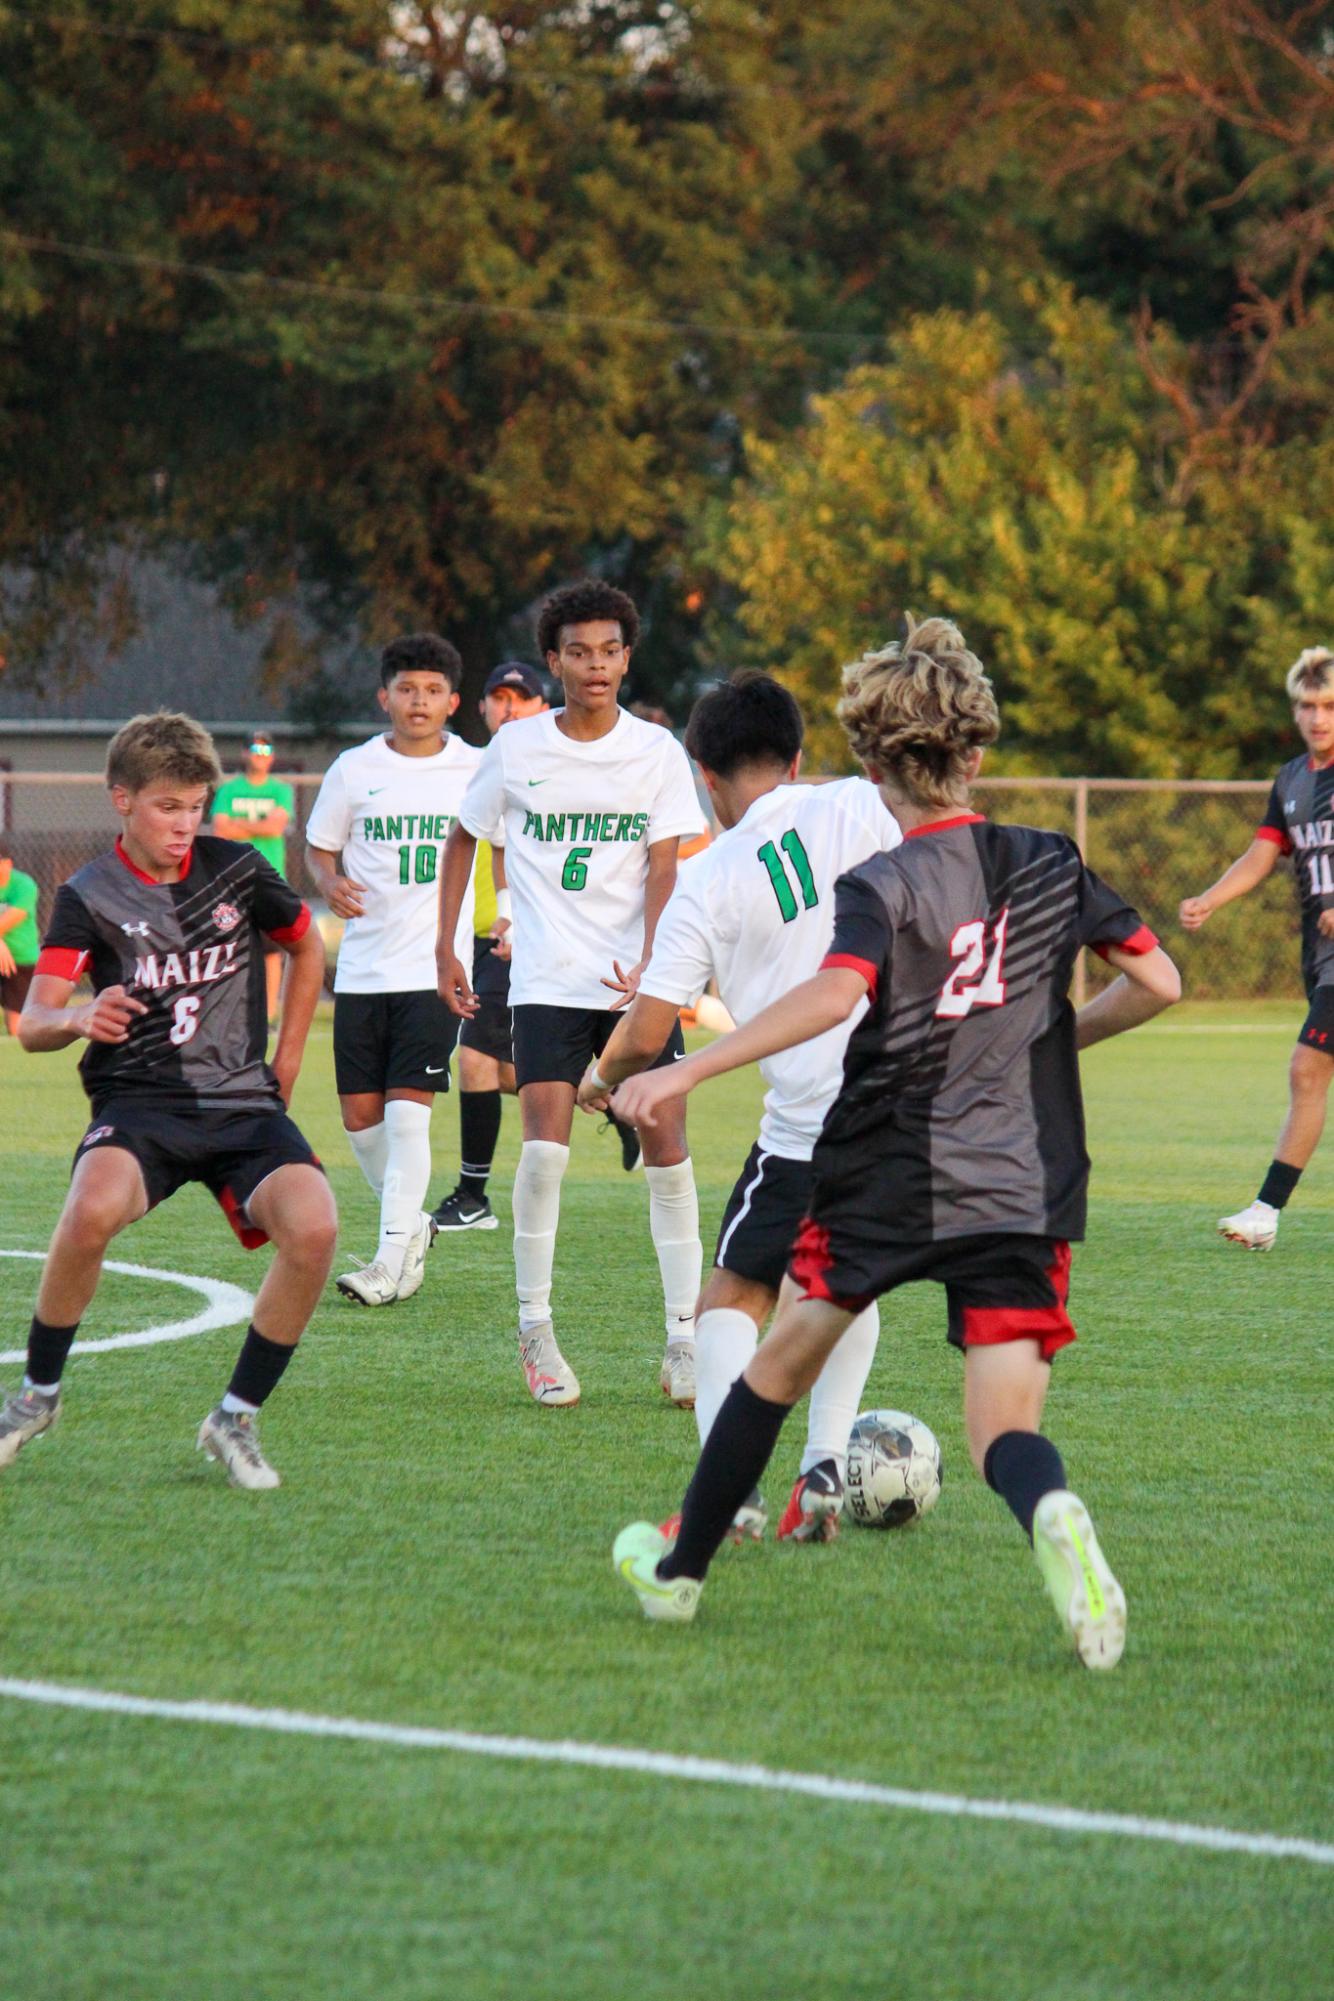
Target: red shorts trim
(809, 1262)
(250, 1237)
(990, 1326)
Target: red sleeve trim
(870, 973)
(1136, 944)
(61, 962)
(290, 933)
(1280, 840)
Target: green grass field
(439, 1555)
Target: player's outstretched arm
(305, 981)
(1149, 983)
(1245, 874)
(49, 1022)
(452, 981)
(816, 1005)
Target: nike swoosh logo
(538, 781)
(435, 1069)
(375, 789)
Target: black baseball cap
(519, 675)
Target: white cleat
(370, 1285)
(414, 1258)
(26, 1414)
(636, 1553)
(1089, 1602)
(230, 1437)
(1255, 1227)
(678, 1374)
(551, 1381)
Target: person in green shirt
(258, 808)
(19, 942)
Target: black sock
(48, 1350)
(479, 1129)
(1279, 1184)
(1022, 1466)
(259, 1367)
(735, 1453)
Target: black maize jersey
(1300, 819)
(960, 1094)
(193, 952)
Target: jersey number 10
(963, 991)
(801, 868)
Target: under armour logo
(135, 930)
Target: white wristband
(503, 906)
(599, 1083)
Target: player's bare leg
(390, 1134)
(674, 1225)
(1309, 1076)
(1005, 1388)
(295, 1209)
(106, 1194)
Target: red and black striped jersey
(1299, 819)
(960, 1090)
(193, 952)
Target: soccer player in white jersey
(591, 804)
(374, 842)
(756, 912)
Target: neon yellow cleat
(1089, 1602)
(636, 1554)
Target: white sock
(725, 1340)
(42, 1389)
(536, 1205)
(673, 1217)
(371, 1148)
(232, 1403)
(837, 1397)
(407, 1175)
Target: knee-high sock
(407, 1175)
(735, 1454)
(372, 1150)
(536, 1203)
(673, 1214)
(725, 1340)
(836, 1398)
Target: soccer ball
(893, 1469)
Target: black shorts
(230, 1152)
(489, 1031)
(763, 1214)
(555, 1045)
(14, 989)
(387, 1042)
(997, 1287)
(1317, 1031)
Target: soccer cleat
(414, 1257)
(230, 1437)
(1089, 1602)
(678, 1374)
(370, 1285)
(629, 1138)
(1255, 1227)
(636, 1553)
(460, 1211)
(748, 1523)
(25, 1414)
(815, 1504)
(551, 1381)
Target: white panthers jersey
(390, 816)
(577, 821)
(756, 912)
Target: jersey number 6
(963, 991)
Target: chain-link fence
(1156, 840)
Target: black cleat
(461, 1211)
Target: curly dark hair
(751, 719)
(421, 653)
(581, 604)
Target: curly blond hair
(164, 746)
(1311, 673)
(915, 711)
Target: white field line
(226, 1306)
(665, 1765)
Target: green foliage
(1131, 625)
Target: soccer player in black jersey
(1298, 821)
(955, 1148)
(171, 929)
